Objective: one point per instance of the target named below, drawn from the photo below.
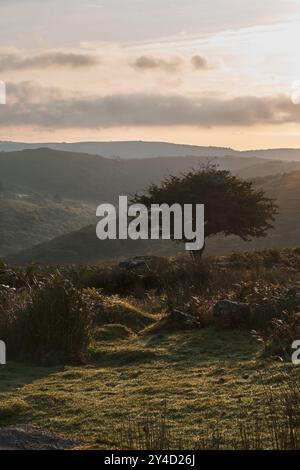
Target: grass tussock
(112, 333)
(116, 310)
(11, 408)
(51, 326)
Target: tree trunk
(196, 255)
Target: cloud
(200, 63)
(17, 61)
(147, 62)
(174, 64)
(28, 104)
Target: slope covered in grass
(205, 379)
(83, 246)
(27, 219)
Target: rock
(137, 262)
(174, 321)
(228, 314)
(182, 318)
(32, 438)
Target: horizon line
(146, 142)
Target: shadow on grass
(15, 375)
(194, 347)
(117, 358)
(184, 348)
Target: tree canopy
(232, 206)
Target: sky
(205, 72)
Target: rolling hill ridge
(141, 149)
(46, 193)
(82, 247)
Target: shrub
(10, 304)
(280, 334)
(53, 327)
(275, 314)
(268, 300)
(201, 309)
(180, 272)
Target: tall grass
(278, 428)
(52, 325)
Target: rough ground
(204, 378)
(31, 438)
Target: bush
(201, 308)
(280, 335)
(53, 327)
(268, 301)
(160, 276)
(10, 304)
(275, 314)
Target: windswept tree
(232, 206)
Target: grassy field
(200, 380)
(140, 387)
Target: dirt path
(31, 438)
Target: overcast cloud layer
(66, 22)
(32, 105)
(207, 72)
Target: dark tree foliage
(232, 205)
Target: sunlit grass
(205, 378)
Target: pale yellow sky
(205, 72)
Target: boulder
(182, 318)
(173, 321)
(137, 262)
(229, 314)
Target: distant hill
(127, 150)
(26, 220)
(90, 178)
(45, 193)
(285, 190)
(83, 246)
(140, 150)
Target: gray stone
(137, 262)
(182, 318)
(173, 321)
(229, 314)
